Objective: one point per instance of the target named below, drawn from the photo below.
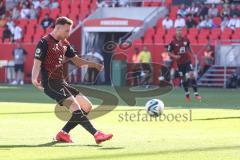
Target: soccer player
(180, 50)
(50, 54)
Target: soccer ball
(154, 107)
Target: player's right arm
(35, 72)
(39, 56)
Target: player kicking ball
(51, 53)
(179, 50)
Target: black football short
(19, 67)
(59, 90)
(185, 68)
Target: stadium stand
(157, 35)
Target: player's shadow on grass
(49, 144)
(218, 118)
(111, 148)
(156, 153)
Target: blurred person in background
(19, 54)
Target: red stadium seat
(74, 6)
(146, 3)
(148, 40)
(171, 31)
(193, 40)
(149, 32)
(214, 36)
(39, 31)
(158, 40)
(193, 31)
(161, 30)
(203, 41)
(159, 23)
(65, 11)
(204, 31)
(30, 30)
(216, 31)
(65, 4)
(225, 37)
(32, 22)
(55, 13)
(45, 11)
(184, 31)
(168, 2)
(227, 31)
(137, 42)
(168, 39)
(27, 39)
(156, 4)
(191, 36)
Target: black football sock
(194, 86)
(84, 122)
(185, 86)
(72, 123)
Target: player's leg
(194, 86)
(185, 80)
(21, 74)
(185, 86)
(193, 81)
(80, 107)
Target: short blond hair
(63, 20)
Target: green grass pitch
(205, 131)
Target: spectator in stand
(3, 21)
(234, 22)
(19, 59)
(2, 9)
(206, 23)
(225, 11)
(207, 59)
(72, 73)
(26, 3)
(45, 3)
(10, 24)
(25, 12)
(213, 1)
(33, 13)
(213, 11)
(101, 3)
(54, 4)
(192, 10)
(182, 10)
(234, 10)
(47, 22)
(7, 34)
(123, 3)
(15, 13)
(10, 4)
(224, 23)
(179, 22)
(145, 58)
(36, 4)
(136, 68)
(96, 57)
(16, 32)
(167, 23)
(190, 22)
(203, 11)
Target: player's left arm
(78, 61)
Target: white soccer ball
(154, 107)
